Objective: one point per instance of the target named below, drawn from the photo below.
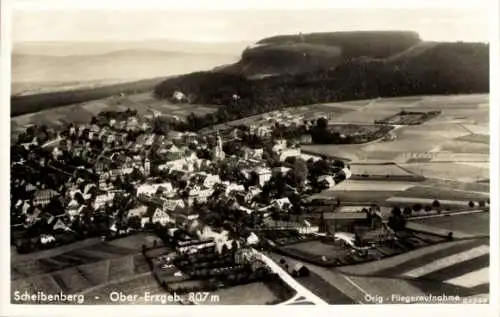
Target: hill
(377, 44)
(293, 54)
(437, 68)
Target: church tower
(218, 153)
(147, 167)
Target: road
(302, 292)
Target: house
(221, 239)
(173, 205)
(155, 215)
(368, 237)
(252, 239)
(137, 212)
(252, 192)
(43, 197)
(279, 146)
(282, 204)
(283, 170)
(29, 188)
(210, 180)
(307, 228)
(60, 225)
(264, 174)
(229, 187)
(33, 214)
(326, 181)
(199, 193)
(151, 189)
(102, 200)
(289, 152)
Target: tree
(396, 211)
(407, 211)
(427, 208)
(339, 164)
(436, 204)
(417, 207)
(300, 172)
(471, 204)
(322, 123)
(134, 222)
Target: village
(215, 201)
(115, 176)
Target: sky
(136, 24)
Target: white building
(282, 204)
(156, 215)
(327, 180)
(151, 189)
(210, 180)
(289, 152)
(252, 239)
(102, 200)
(264, 174)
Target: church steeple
(218, 150)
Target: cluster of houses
(120, 168)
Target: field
(359, 192)
(443, 193)
(85, 268)
(368, 185)
(443, 147)
(385, 170)
(475, 224)
(315, 250)
(408, 118)
(257, 293)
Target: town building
(264, 175)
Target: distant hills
(118, 65)
(41, 65)
(345, 66)
(276, 72)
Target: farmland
(475, 224)
(408, 118)
(456, 137)
(257, 293)
(86, 268)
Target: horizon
(217, 26)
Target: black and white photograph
(250, 156)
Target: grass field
(442, 193)
(257, 293)
(372, 185)
(378, 170)
(367, 192)
(476, 224)
(82, 267)
(318, 249)
(447, 170)
(461, 128)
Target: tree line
(447, 68)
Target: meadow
(83, 269)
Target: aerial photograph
(250, 157)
